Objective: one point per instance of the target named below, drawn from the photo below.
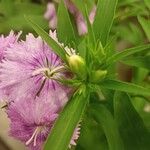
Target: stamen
(48, 72)
(57, 69)
(39, 71)
(34, 136)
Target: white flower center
(47, 72)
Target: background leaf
(132, 129)
(64, 28)
(104, 19)
(125, 87)
(127, 52)
(12, 15)
(147, 2)
(106, 120)
(92, 135)
(141, 61)
(80, 5)
(145, 23)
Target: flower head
(32, 120)
(29, 80)
(30, 70)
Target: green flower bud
(77, 65)
(98, 75)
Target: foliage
(107, 108)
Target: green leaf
(106, 120)
(90, 28)
(139, 75)
(141, 61)
(125, 32)
(147, 2)
(92, 136)
(104, 19)
(80, 5)
(125, 87)
(63, 129)
(132, 129)
(109, 47)
(127, 52)
(82, 49)
(145, 23)
(64, 27)
(51, 42)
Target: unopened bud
(98, 75)
(77, 65)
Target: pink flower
(6, 42)
(80, 21)
(29, 80)
(50, 15)
(32, 120)
(30, 69)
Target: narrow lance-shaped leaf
(141, 61)
(104, 19)
(64, 27)
(125, 87)
(63, 129)
(80, 5)
(106, 120)
(145, 23)
(127, 52)
(131, 126)
(89, 26)
(51, 42)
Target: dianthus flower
(30, 69)
(32, 120)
